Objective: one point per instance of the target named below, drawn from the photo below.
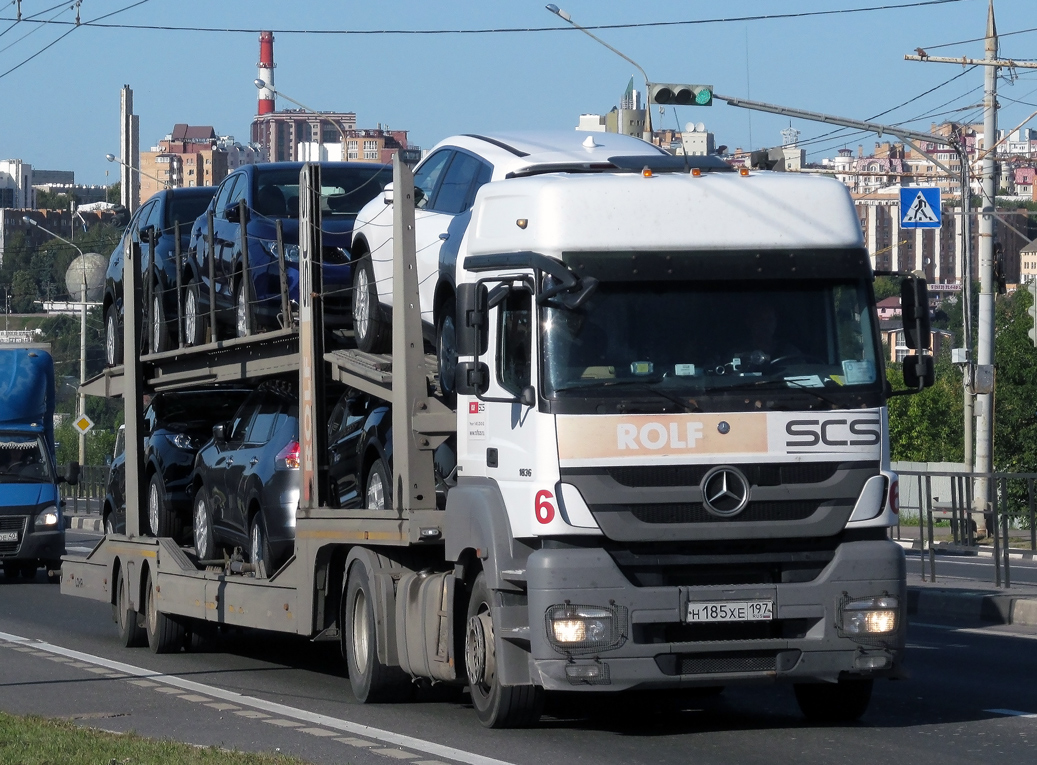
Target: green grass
(37, 741)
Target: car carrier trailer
(585, 546)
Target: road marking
(284, 723)
(195, 697)
(222, 707)
(914, 646)
(252, 714)
(319, 732)
(143, 683)
(399, 754)
(357, 742)
(975, 630)
(1011, 713)
(280, 710)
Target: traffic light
(680, 94)
(1032, 310)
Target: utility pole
(984, 378)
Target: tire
(29, 569)
(158, 329)
(12, 569)
(165, 634)
(372, 682)
(195, 320)
(378, 488)
(840, 702)
(373, 334)
(201, 525)
(112, 338)
(259, 545)
(244, 324)
(446, 351)
(130, 634)
(498, 706)
(109, 525)
(162, 521)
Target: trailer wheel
(165, 634)
(840, 702)
(194, 319)
(498, 706)
(372, 681)
(204, 539)
(112, 338)
(130, 634)
(372, 333)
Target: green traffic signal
(680, 94)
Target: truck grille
(775, 629)
(12, 523)
(695, 513)
(642, 476)
(718, 663)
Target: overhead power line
(510, 30)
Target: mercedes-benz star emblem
(725, 491)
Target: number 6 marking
(545, 511)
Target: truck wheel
(112, 338)
(372, 333)
(498, 706)
(158, 335)
(165, 634)
(29, 569)
(130, 635)
(194, 319)
(840, 702)
(109, 526)
(259, 545)
(372, 681)
(12, 569)
(204, 539)
(379, 487)
(162, 521)
(446, 352)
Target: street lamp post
(82, 332)
(564, 16)
(137, 170)
(260, 85)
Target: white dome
(95, 266)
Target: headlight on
(583, 629)
(48, 518)
(870, 616)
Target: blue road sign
(920, 207)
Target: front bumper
(42, 546)
(657, 649)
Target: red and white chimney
(266, 73)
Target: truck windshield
(23, 459)
(705, 344)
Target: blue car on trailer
(270, 192)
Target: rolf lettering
(655, 435)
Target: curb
(972, 605)
(84, 522)
(944, 548)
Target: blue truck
(32, 525)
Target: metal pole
(212, 276)
(179, 286)
(921, 528)
(1033, 531)
(246, 284)
(997, 546)
(82, 365)
(1004, 527)
(286, 315)
(929, 523)
(985, 355)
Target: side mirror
(919, 372)
(219, 432)
(145, 428)
(108, 460)
(472, 319)
(146, 233)
(528, 397)
(233, 214)
(72, 475)
(472, 378)
(387, 193)
(914, 307)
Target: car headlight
(582, 629)
(869, 616)
(291, 251)
(48, 518)
(182, 441)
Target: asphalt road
(970, 698)
(979, 568)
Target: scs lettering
(862, 432)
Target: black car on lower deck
(176, 424)
(360, 454)
(245, 485)
(158, 216)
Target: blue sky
(61, 109)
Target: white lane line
(281, 710)
(1011, 713)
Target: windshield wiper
(638, 386)
(779, 384)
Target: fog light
(870, 616)
(587, 674)
(872, 661)
(585, 628)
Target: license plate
(731, 611)
(8, 536)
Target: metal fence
(86, 497)
(948, 496)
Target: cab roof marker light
(696, 172)
(743, 171)
(647, 172)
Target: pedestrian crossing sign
(920, 207)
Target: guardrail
(1013, 505)
(88, 495)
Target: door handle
(230, 461)
(445, 236)
(252, 462)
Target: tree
(23, 293)
(928, 426)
